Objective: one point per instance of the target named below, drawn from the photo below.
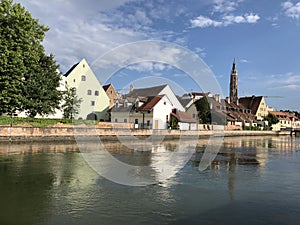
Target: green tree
(204, 111)
(272, 119)
(39, 98)
(71, 103)
(23, 63)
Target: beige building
(257, 105)
(95, 102)
(111, 93)
(286, 120)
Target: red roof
(150, 103)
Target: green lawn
(39, 122)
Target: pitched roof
(251, 102)
(105, 87)
(184, 117)
(184, 101)
(71, 69)
(150, 103)
(282, 115)
(151, 91)
(122, 109)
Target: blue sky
(263, 36)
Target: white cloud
(149, 67)
(202, 21)
(244, 61)
(223, 6)
(288, 81)
(86, 29)
(251, 18)
(291, 10)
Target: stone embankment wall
(68, 132)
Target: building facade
(88, 88)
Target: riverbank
(64, 133)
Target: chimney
(228, 99)
(217, 97)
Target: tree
(71, 103)
(204, 110)
(25, 70)
(272, 119)
(39, 98)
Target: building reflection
(247, 151)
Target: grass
(41, 122)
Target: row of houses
(159, 108)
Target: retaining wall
(8, 133)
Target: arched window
(83, 78)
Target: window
(83, 78)
(73, 91)
(83, 65)
(97, 93)
(74, 80)
(116, 120)
(89, 92)
(194, 115)
(92, 103)
(125, 120)
(136, 121)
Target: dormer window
(83, 78)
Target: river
(252, 180)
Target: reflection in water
(50, 183)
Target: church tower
(233, 95)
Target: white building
(88, 88)
(155, 91)
(148, 108)
(145, 113)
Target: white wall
(91, 83)
(170, 94)
(161, 110)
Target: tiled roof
(184, 117)
(184, 101)
(122, 109)
(251, 102)
(120, 100)
(283, 115)
(131, 100)
(143, 92)
(70, 70)
(150, 103)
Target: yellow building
(95, 102)
(257, 105)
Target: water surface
(253, 180)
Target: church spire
(233, 95)
(233, 66)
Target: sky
(262, 36)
